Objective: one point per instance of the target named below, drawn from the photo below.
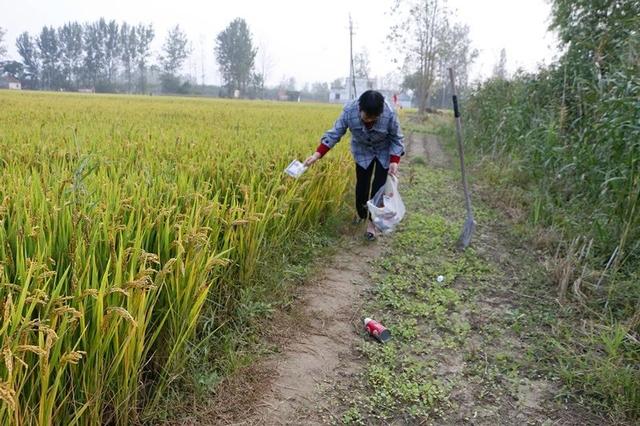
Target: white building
(341, 95)
(8, 82)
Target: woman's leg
(363, 185)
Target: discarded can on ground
(377, 330)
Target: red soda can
(377, 330)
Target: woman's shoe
(370, 235)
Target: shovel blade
(467, 233)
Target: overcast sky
(304, 39)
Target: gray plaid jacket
(381, 141)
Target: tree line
(102, 55)
(111, 56)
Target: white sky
(304, 39)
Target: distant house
(9, 82)
(289, 95)
(341, 95)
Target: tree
(265, 64)
(320, 91)
(50, 54)
(71, 53)
(28, 51)
(337, 84)
(361, 65)
(112, 51)
(392, 81)
(129, 52)
(500, 69)
(235, 55)
(597, 35)
(416, 36)
(3, 48)
(144, 37)
(290, 83)
(94, 58)
(455, 52)
(14, 68)
(174, 53)
(257, 85)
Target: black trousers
(365, 187)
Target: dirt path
(331, 312)
(313, 348)
(465, 351)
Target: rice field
(121, 219)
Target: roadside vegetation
(562, 146)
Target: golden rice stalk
(217, 262)
(168, 266)
(150, 257)
(8, 360)
(122, 313)
(119, 290)
(91, 292)
(8, 395)
(59, 300)
(63, 310)
(142, 283)
(38, 297)
(31, 348)
(14, 287)
(46, 275)
(8, 307)
(52, 337)
(72, 357)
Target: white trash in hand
(295, 169)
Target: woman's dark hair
(371, 103)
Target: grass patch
(589, 344)
(401, 381)
(487, 341)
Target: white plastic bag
(386, 207)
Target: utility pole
(444, 86)
(192, 65)
(202, 38)
(352, 75)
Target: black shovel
(469, 224)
